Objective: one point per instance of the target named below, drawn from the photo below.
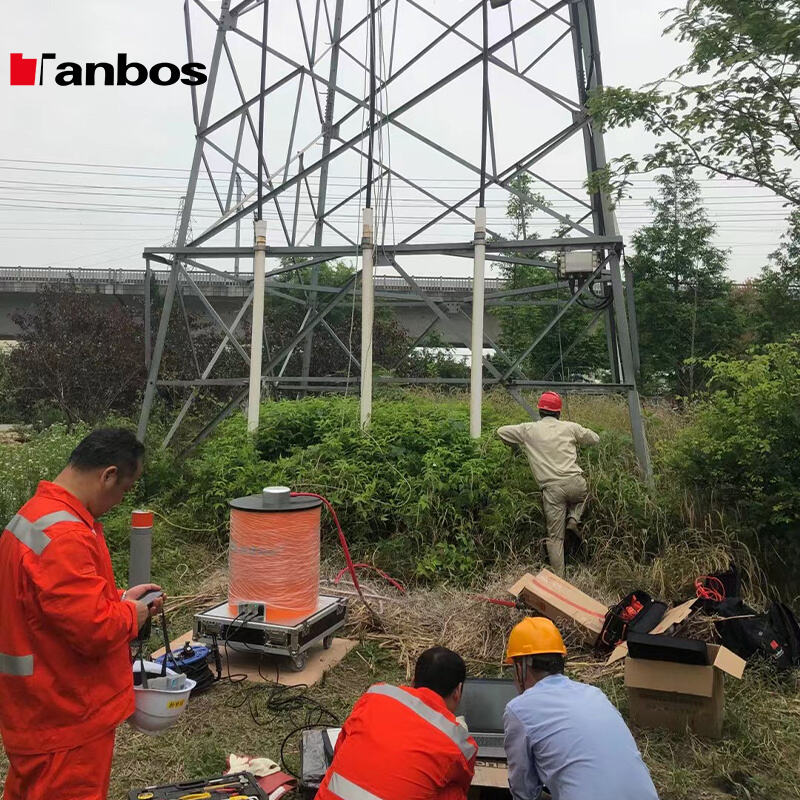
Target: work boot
(573, 541)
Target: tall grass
(422, 499)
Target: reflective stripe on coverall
(400, 743)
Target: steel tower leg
(169, 297)
(611, 343)
(590, 77)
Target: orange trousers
(82, 773)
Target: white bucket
(157, 709)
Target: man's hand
(143, 611)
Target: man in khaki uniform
(551, 446)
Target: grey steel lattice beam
(534, 156)
(403, 248)
(240, 110)
(386, 118)
(587, 67)
(204, 375)
(254, 134)
(443, 317)
(429, 142)
(148, 333)
(187, 23)
(212, 312)
(564, 102)
(553, 322)
(634, 325)
(207, 12)
(581, 335)
(588, 71)
(309, 55)
(396, 380)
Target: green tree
(391, 343)
(733, 109)
(520, 324)
(79, 354)
(770, 305)
(284, 317)
(682, 295)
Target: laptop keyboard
(488, 741)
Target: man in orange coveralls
(403, 743)
(65, 665)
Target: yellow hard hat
(534, 636)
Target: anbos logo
(23, 72)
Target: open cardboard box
(561, 601)
(672, 617)
(663, 694)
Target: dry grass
(758, 759)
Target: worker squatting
(65, 669)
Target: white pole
(367, 315)
(476, 366)
(257, 334)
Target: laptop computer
(482, 705)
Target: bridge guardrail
(130, 277)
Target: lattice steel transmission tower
(385, 132)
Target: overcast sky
(91, 175)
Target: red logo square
(23, 70)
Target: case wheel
(298, 662)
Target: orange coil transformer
(274, 554)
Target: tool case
(218, 625)
(238, 784)
(667, 648)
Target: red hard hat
(550, 401)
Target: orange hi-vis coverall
(65, 666)
(400, 743)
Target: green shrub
(416, 487)
(743, 445)
(417, 496)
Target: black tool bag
(774, 636)
(787, 631)
(618, 622)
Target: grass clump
(40, 458)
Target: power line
(716, 182)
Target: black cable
(603, 301)
(269, 699)
(242, 618)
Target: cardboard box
(663, 694)
(561, 601)
(672, 617)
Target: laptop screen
(483, 703)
